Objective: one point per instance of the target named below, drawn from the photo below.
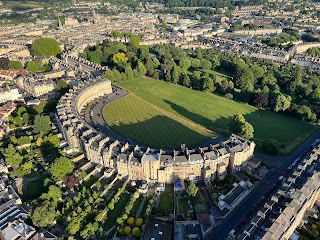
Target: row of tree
(287, 89)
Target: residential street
(221, 232)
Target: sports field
(208, 110)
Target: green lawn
(117, 211)
(88, 183)
(209, 110)
(136, 120)
(183, 206)
(136, 206)
(34, 189)
(165, 202)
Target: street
(221, 232)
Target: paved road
(222, 230)
(97, 121)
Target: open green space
(165, 202)
(22, 5)
(88, 183)
(135, 119)
(209, 110)
(34, 188)
(117, 211)
(183, 206)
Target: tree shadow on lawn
(49, 152)
(288, 131)
(160, 131)
(34, 188)
(219, 125)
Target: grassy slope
(214, 112)
(134, 119)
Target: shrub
(199, 208)
(127, 230)
(130, 221)
(271, 147)
(139, 222)
(136, 232)
(111, 206)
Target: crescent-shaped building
(136, 162)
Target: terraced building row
(137, 162)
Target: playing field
(208, 110)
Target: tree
(246, 131)
(236, 123)
(261, 99)
(54, 193)
(282, 103)
(271, 147)
(185, 64)
(141, 69)
(25, 169)
(33, 67)
(195, 63)
(111, 206)
(239, 126)
(62, 86)
(136, 194)
(136, 232)
(208, 85)
(175, 74)
(74, 226)
(42, 124)
(130, 220)
(186, 80)
(305, 112)
(101, 215)
(316, 94)
(23, 140)
(149, 66)
(129, 73)
(15, 65)
(192, 190)
(60, 168)
(205, 64)
(127, 230)
(116, 34)
(45, 47)
(12, 157)
(44, 214)
(39, 141)
(119, 58)
(134, 41)
(244, 77)
(139, 222)
(21, 110)
(25, 118)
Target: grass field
(135, 119)
(165, 202)
(183, 206)
(147, 124)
